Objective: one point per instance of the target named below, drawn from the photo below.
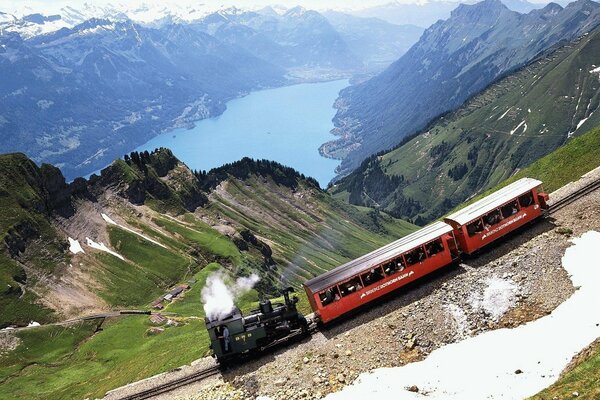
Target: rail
(174, 384)
(572, 197)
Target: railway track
(565, 201)
(172, 385)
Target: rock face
(453, 60)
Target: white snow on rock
(101, 246)
(498, 296)
(33, 323)
(596, 71)
(484, 366)
(518, 126)
(458, 318)
(503, 115)
(110, 221)
(75, 247)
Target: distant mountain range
(79, 92)
(453, 60)
(500, 131)
(425, 14)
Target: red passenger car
(360, 281)
(498, 214)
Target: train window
(329, 295)
(350, 286)
(526, 200)
(492, 218)
(510, 209)
(372, 276)
(434, 247)
(415, 256)
(394, 266)
(475, 227)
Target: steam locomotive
(236, 335)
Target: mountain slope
(148, 222)
(377, 42)
(300, 40)
(80, 97)
(453, 60)
(506, 127)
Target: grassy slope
(567, 164)
(54, 362)
(583, 379)
(60, 360)
(552, 96)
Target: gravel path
(513, 282)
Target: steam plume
(218, 296)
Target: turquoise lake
(286, 124)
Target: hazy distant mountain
(83, 96)
(426, 14)
(298, 39)
(378, 43)
(453, 60)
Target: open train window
(434, 247)
(372, 276)
(393, 266)
(526, 200)
(475, 227)
(329, 295)
(415, 256)
(350, 286)
(509, 209)
(492, 218)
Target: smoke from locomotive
(218, 297)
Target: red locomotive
(384, 270)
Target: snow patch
(503, 115)
(102, 247)
(483, 367)
(33, 323)
(75, 247)
(459, 319)
(44, 104)
(110, 221)
(498, 296)
(518, 126)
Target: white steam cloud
(218, 296)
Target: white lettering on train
(386, 284)
(499, 228)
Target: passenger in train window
(526, 200)
(400, 264)
(434, 247)
(475, 227)
(492, 218)
(509, 209)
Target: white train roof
(493, 201)
(377, 257)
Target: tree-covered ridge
(242, 169)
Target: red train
(384, 270)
